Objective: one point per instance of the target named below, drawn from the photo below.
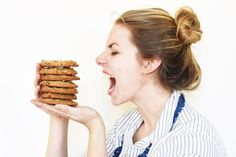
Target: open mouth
(112, 81)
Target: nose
(101, 59)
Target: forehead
(119, 34)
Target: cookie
(59, 96)
(58, 63)
(58, 77)
(58, 71)
(59, 90)
(58, 101)
(67, 84)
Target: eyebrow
(110, 45)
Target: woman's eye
(114, 52)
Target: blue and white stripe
(191, 136)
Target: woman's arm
(93, 121)
(87, 116)
(57, 139)
(97, 140)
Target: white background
(31, 30)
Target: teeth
(109, 76)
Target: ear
(151, 65)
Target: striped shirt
(191, 135)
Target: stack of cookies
(56, 81)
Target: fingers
(59, 110)
(70, 112)
(38, 67)
(37, 92)
(53, 111)
(39, 105)
(64, 108)
(37, 76)
(36, 81)
(50, 109)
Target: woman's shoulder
(196, 128)
(195, 136)
(194, 122)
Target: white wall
(31, 30)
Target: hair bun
(188, 26)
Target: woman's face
(120, 63)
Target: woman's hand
(36, 81)
(82, 114)
(90, 118)
(37, 94)
(57, 139)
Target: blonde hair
(157, 34)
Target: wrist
(54, 118)
(97, 139)
(58, 121)
(57, 139)
(97, 125)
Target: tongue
(112, 86)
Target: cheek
(129, 75)
(129, 64)
(127, 71)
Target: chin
(117, 102)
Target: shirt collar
(162, 128)
(165, 122)
(163, 125)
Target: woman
(149, 61)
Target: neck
(151, 101)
